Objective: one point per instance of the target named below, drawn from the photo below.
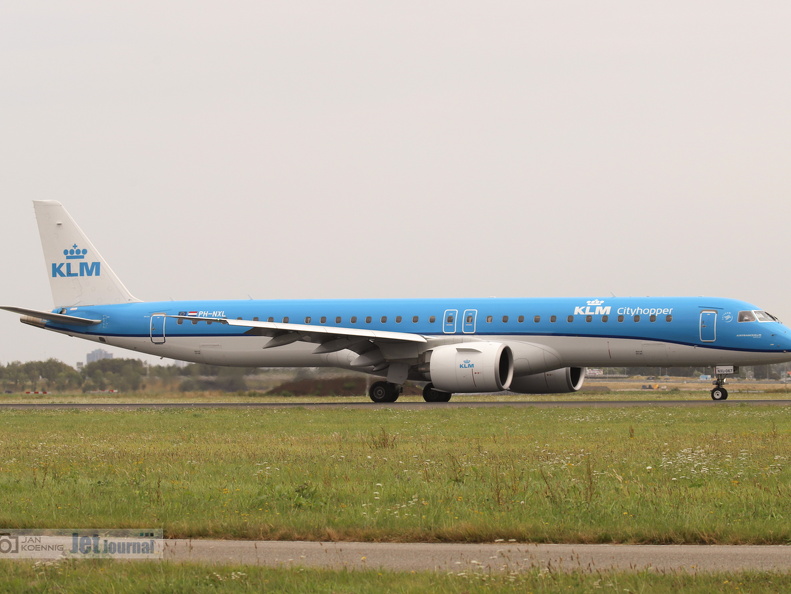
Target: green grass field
(108, 576)
(639, 475)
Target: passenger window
(398, 319)
(588, 318)
(432, 319)
(323, 319)
(605, 318)
(307, 319)
(415, 319)
(270, 319)
(180, 321)
(489, 319)
(537, 319)
(570, 319)
(521, 319)
(637, 318)
(354, 319)
(285, 320)
(620, 318)
(384, 319)
(338, 320)
(368, 319)
(652, 318)
(505, 319)
(669, 318)
(553, 319)
(255, 319)
(450, 319)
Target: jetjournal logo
(75, 264)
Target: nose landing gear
(719, 394)
(721, 372)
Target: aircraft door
(449, 321)
(158, 328)
(708, 326)
(469, 320)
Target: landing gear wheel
(384, 392)
(432, 395)
(719, 394)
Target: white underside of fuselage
(251, 351)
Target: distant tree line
(132, 375)
(124, 375)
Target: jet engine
(567, 379)
(471, 367)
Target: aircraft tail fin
(78, 274)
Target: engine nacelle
(567, 379)
(471, 367)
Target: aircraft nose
(782, 338)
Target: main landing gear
(384, 392)
(381, 392)
(432, 395)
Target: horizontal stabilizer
(52, 317)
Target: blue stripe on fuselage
(574, 317)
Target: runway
(364, 404)
(496, 557)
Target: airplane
(454, 346)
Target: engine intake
(472, 367)
(567, 379)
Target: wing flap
(313, 333)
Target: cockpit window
(765, 317)
(753, 316)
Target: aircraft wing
(330, 338)
(52, 317)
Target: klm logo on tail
(75, 264)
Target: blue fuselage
(611, 331)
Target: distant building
(98, 355)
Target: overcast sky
(398, 149)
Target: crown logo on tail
(75, 253)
